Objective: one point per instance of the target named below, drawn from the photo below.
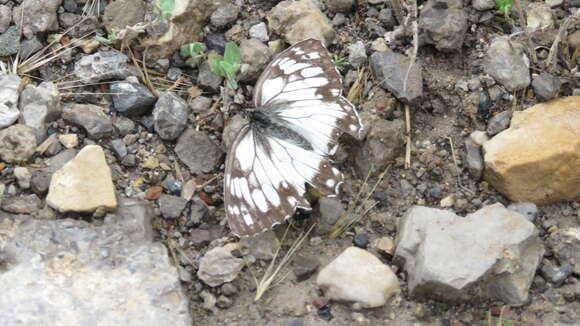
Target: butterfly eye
(287, 146)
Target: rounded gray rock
(170, 116)
(17, 143)
(198, 151)
(132, 99)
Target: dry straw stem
(522, 20)
(355, 92)
(553, 55)
(412, 60)
(270, 278)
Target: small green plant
(111, 38)
(228, 65)
(505, 8)
(166, 7)
(341, 62)
(196, 50)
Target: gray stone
(391, 68)
(528, 210)
(556, 274)
(473, 159)
(22, 176)
(117, 261)
(171, 206)
(443, 23)
(207, 78)
(10, 42)
(170, 116)
(357, 54)
(198, 211)
(132, 99)
(5, 18)
(30, 47)
(376, 2)
(17, 143)
(344, 6)
(119, 148)
(507, 63)
(198, 151)
(39, 105)
(483, 4)
(338, 20)
(259, 32)
(218, 266)
(90, 117)
(304, 267)
(328, 211)
(123, 125)
(263, 245)
(56, 162)
(104, 65)
(23, 204)
(122, 13)
(387, 17)
(9, 99)
(498, 123)
(224, 15)
(479, 137)
(255, 56)
(565, 244)
(546, 86)
(37, 16)
(40, 181)
(384, 143)
(438, 251)
(200, 104)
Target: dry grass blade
(92, 7)
(552, 61)
(358, 211)
(355, 92)
(269, 279)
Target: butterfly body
(292, 133)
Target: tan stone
(83, 184)
(538, 158)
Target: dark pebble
(325, 313)
(148, 122)
(361, 240)
(380, 195)
(436, 192)
(445, 322)
(293, 322)
(216, 42)
(484, 105)
(556, 275)
(304, 267)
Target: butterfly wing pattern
(300, 115)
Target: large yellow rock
(83, 184)
(538, 158)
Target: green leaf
(214, 61)
(101, 39)
(504, 6)
(166, 5)
(231, 80)
(232, 54)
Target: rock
(90, 117)
(483, 5)
(104, 65)
(198, 211)
(539, 16)
(383, 144)
(37, 16)
(23, 204)
(199, 237)
(170, 116)
(9, 113)
(39, 105)
(357, 54)
(473, 159)
(370, 284)
(184, 25)
(565, 244)
(17, 143)
(5, 18)
(132, 99)
(224, 15)
(83, 184)
(123, 126)
(232, 129)
(338, 20)
(527, 210)
(22, 176)
(344, 6)
(122, 13)
(535, 161)
(443, 23)
(556, 274)
(479, 137)
(262, 246)
(69, 140)
(391, 68)
(361, 240)
(304, 267)
(200, 104)
(218, 266)
(387, 17)
(255, 56)
(300, 20)
(56, 162)
(10, 42)
(507, 63)
(207, 79)
(198, 151)
(546, 86)
(574, 40)
(104, 259)
(328, 210)
(40, 181)
(498, 123)
(259, 32)
(500, 267)
(171, 206)
(385, 245)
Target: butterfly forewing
(268, 168)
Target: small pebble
(361, 240)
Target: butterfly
(292, 133)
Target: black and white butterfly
(299, 115)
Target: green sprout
(166, 7)
(111, 38)
(341, 62)
(505, 8)
(196, 50)
(228, 65)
